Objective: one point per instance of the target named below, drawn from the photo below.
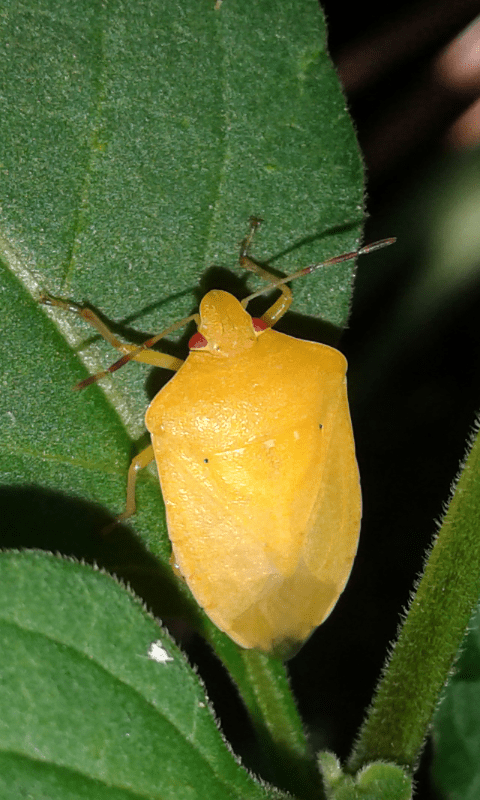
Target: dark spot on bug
(205, 460)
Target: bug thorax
(225, 325)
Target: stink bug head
(225, 325)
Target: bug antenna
(368, 248)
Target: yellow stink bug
(255, 454)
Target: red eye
(259, 324)
(197, 341)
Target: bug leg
(146, 356)
(176, 568)
(139, 462)
(283, 303)
(88, 315)
(281, 306)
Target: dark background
(413, 343)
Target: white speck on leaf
(157, 653)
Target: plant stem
(423, 657)
(263, 685)
(279, 726)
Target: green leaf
(456, 728)
(96, 700)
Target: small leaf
(377, 781)
(456, 729)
